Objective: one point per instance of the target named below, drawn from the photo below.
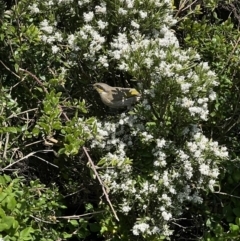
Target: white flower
(172, 190)
(166, 216)
(34, 9)
(185, 87)
(101, 9)
(101, 24)
(165, 179)
(187, 102)
(88, 16)
(50, 39)
(211, 184)
(214, 173)
(183, 156)
(122, 11)
(212, 95)
(126, 209)
(142, 227)
(155, 230)
(71, 39)
(55, 49)
(166, 230)
(156, 176)
(148, 61)
(204, 65)
(143, 14)
(44, 38)
(135, 24)
(161, 143)
(156, 163)
(204, 169)
(130, 3)
(194, 110)
(135, 231)
(44, 26)
(147, 136)
(163, 163)
(104, 61)
(50, 3)
(197, 199)
(58, 37)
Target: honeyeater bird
(117, 97)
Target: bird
(117, 97)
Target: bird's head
(102, 88)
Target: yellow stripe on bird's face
(99, 90)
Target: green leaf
(236, 211)
(3, 226)
(15, 224)
(94, 227)
(2, 213)
(2, 180)
(234, 228)
(74, 222)
(10, 130)
(3, 195)
(237, 221)
(25, 234)
(67, 235)
(16, 66)
(11, 202)
(208, 223)
(151, 124)
(6, 223)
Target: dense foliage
(166, 169)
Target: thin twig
(73, 193)
(45, 161)
(35, 77)
(101, 183)
(226, 194)
(179, 225)
(23, 112)
(38, 219)
(14, 152)
(189, 5)
(181, 6)
(230, 56)
(9, 69)
(12, 87)
(33, 143)
(79, 216)
(6, 146)
(25, 157)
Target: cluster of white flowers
(192, 163)
(86, 128)
(141, 228)
(169, 80)
(34, 8)
(144, 228)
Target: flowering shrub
(154, 159)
